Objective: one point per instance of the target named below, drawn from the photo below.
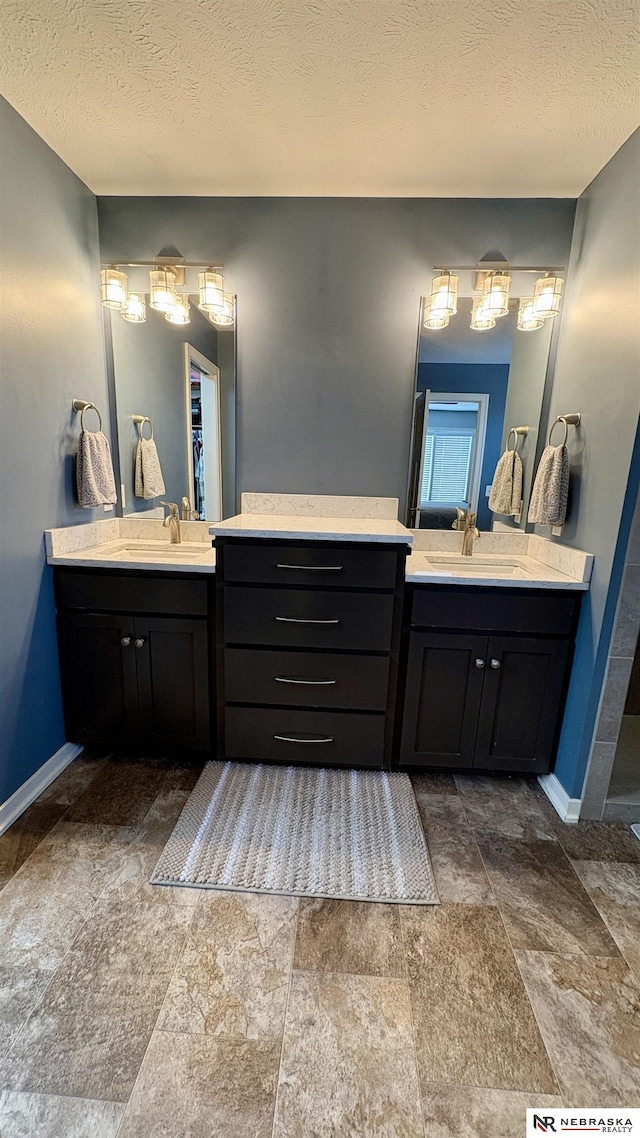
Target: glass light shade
(547, 294)
(481, 320)
(134, 308)
(528, 321)
(433, 319)
(444, 294)
(162, 289)
(495, 294)
(179, 311)
(113, 287)
(224, 318)
(211, 291)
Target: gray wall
(148, 363)
(51, 349)
(597, 372)
(328, 300)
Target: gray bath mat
(300, 830)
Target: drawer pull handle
(314, 568)
(314, 683)
(304, 620)
(294, 739)
(139, 642)
(495, 664)
(125, 641)
(480, 663)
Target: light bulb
(495, 294)
(113, 287)
(481, 320)
(211, 291)
(134, 308)
(162, 289)
(179, 311)
(547, 294)
(528, 321)
(444, 294)
(431, 319)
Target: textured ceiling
(331, 97)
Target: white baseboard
(39, 781)
(567, 808)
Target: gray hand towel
(94, 471)
(506, 491)
(548, 506)
(149, 480)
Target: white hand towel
(506, 491)
(149, 480)
(94, 471)
(548, 506)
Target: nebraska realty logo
(592, 1121)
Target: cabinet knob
(495, 664)
(125, 641)
(139, 641)
(480, 663)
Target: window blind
(447, 467)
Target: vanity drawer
(495, 610)
(117, 592)
(304, 618)
(306, 679)
(311, 564)
(295, 736)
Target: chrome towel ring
(518, 432)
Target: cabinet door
(442, 699)
(173, 681)
(98, 669)
(521, 700)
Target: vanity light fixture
(444, 294)
(113, 287)
(495, 294)
(528, 320)
(134, 308)
(481, 320)
(211, 291)
(224, 317)
(433, 319)
(179, 311)
(162, 289)
(547, 294)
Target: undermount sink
(473, 566)
(153, 550)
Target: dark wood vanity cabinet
(135, 675)
(308, 641)
(489, 699)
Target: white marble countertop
(508, 560)
(312, 528)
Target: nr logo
(545, 1123)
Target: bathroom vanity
(317, 639)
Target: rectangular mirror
(471, 388)
(181, 378)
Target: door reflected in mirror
(471, 387)
(204, 435)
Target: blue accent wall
(51, 351)
(597, 372)
(487, 379)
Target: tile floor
(141, 1011)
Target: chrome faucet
(466, 522)
(172, 520)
